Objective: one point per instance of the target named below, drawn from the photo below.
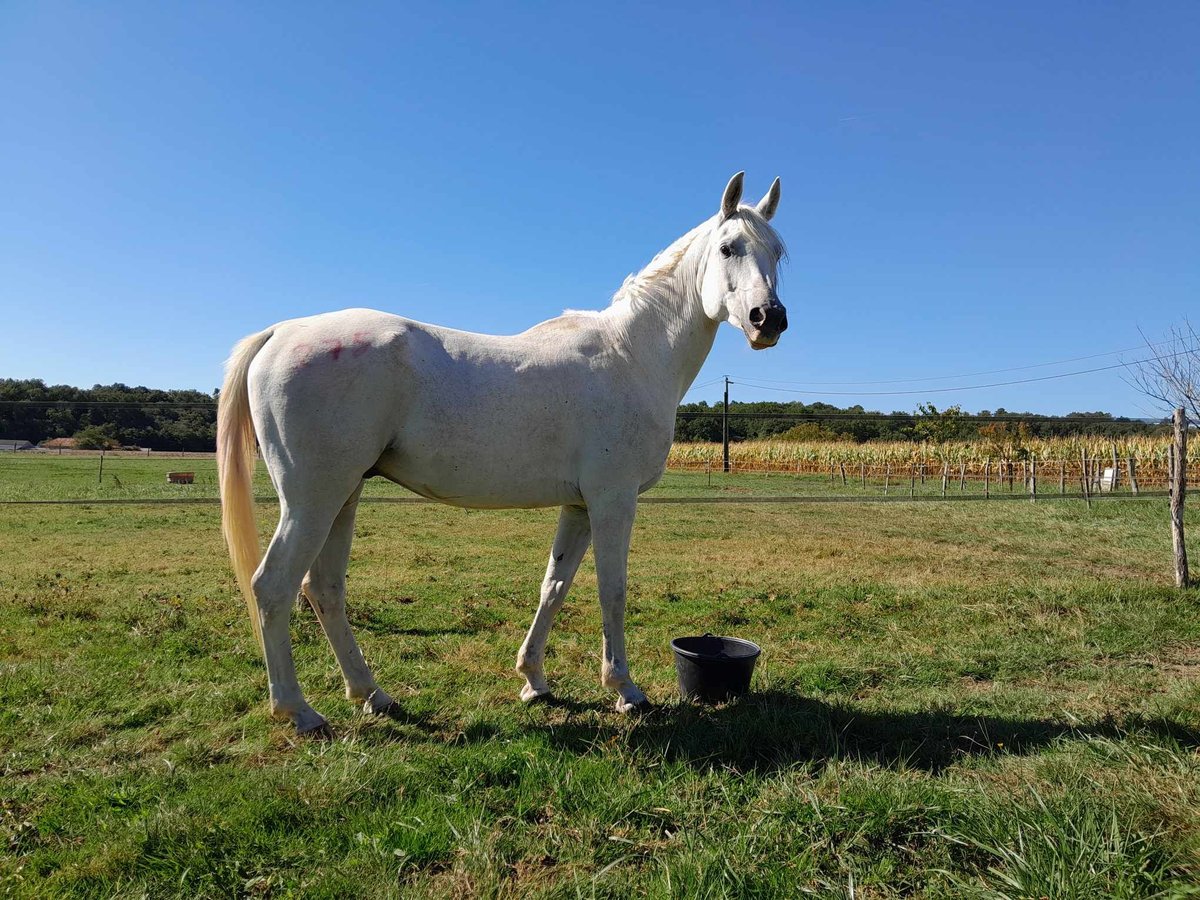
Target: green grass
(962, 700)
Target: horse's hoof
(380, 704)
(316, 731)
(531, 695)
(634, 707)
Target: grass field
(954, 700)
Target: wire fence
(1086, 475)
(117, 478)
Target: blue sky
(966, 186)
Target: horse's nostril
(783, 323)
(757, 316)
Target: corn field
(1061, 458)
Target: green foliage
(700, 422)
(96, 437)
(811, 431)
(133, 416)
(940, 427)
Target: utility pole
(725, 426)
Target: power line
(110, 404)
(969, 387)
(1059, 362)
(696, 387)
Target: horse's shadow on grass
(775, 729)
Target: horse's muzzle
(767, 323)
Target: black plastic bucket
(714, 668)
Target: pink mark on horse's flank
(303, 353)
(336, 350)
(360, 343)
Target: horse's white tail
(235, 471)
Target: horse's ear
(769, 203)
(733, 195)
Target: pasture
(954, 699)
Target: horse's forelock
(759, 230)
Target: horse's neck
(665, 329)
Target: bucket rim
(750, 650)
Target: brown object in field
(181, 477)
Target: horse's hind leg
(292, 550)
(570, 543)
(325, 588)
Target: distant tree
(96, 437)
(1006, 440)
(941, 426)
(1169, 371)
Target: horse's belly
(498, 483)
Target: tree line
(116, 415)
(760, 420)
(108, 415)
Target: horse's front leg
(570, 543)
(611, 515)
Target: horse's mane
(645, 284)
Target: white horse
(577, 412)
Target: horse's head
(740, 267)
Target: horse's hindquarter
(527, 420)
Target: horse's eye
(726, 251)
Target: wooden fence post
(1133, 485)
(1062, 476)
(887, 477)
(1170, 467)
(987, 474)
(945, 476)
(1085, 478)
(912, 479)
(1178, 496)
(1116, 469)
(962, 477)
(1033, 478)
